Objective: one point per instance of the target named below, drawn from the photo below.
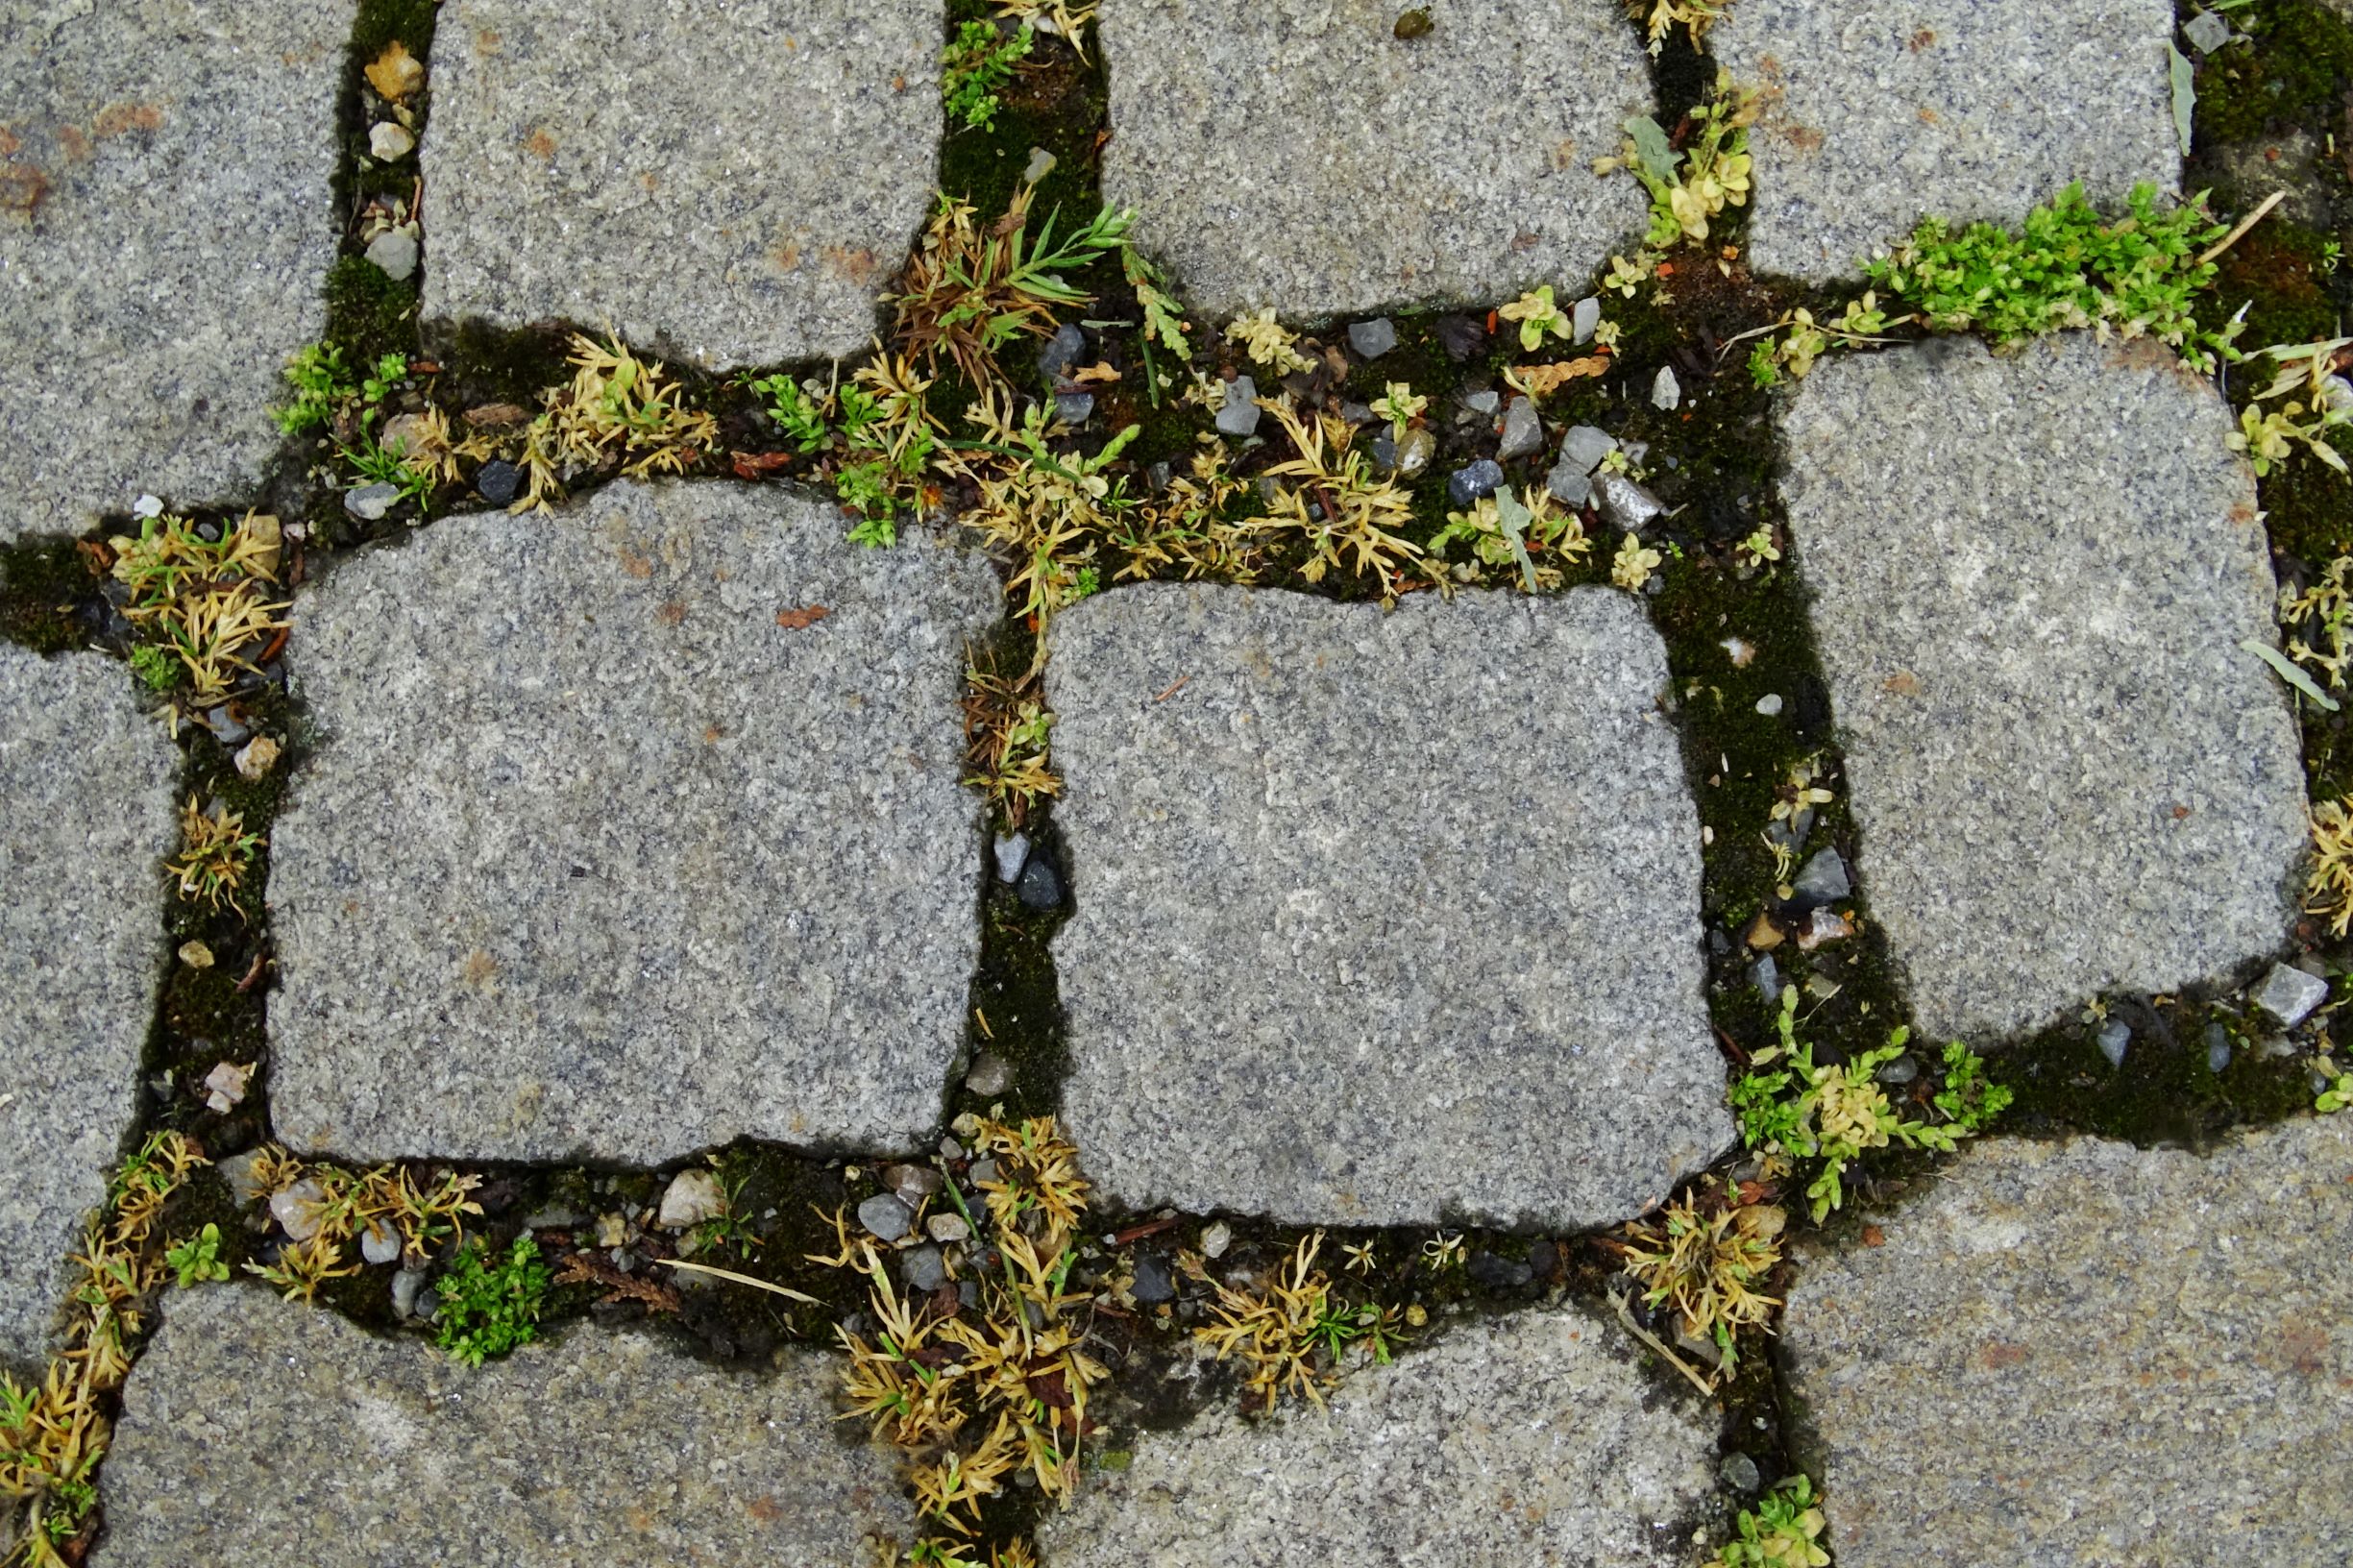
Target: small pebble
(225, 726)
(1769, 704)
(1040, 164)
(395, 254)
(2206, 32)
(1415, 452)
(1215, 1239)
(237, 1170)
(1060, 352)
(1484, 404)
(1523, 431)
(1740, 650)
(1460, 336)
(1624, 504)
(1011, 850)
(1768, 977)
(885, 1217)
(1827, 925)
(2114, 1036)
(912, 1183)
(297, 1209)
(196, 955)
(1040, 887)
(1740, 1472)
(1238, 414)
(2290, 994)
(257, 757)
(405, 1287)
(147, 507)
(498, 482)
(1153, 1282)
(947, 1228)
(982, 1173)
(1074, 407)
(1824, 879)
(925, 1269)
(1371, 339)
(1480, 478)
(1585, 316)
(1902, 1071)
(225, 1086)
(389, 142)
(1666, 392)
(2217, 1047)
(379, 1243)
(692, 1197)
(991, 1075)
(370, 501)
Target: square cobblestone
(735, 181)
(1382, 917)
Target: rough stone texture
(1533, 1441)
(86, 780)
(1297, 154)
(1380, 917)
(2082, 1353)
(2031, 577)
(165, 224)
(257, 1431)
(737, 180)
(597, 857)
(1886, 111)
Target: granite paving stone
(613, 845)
(1881, 112)
(166, 223)
(2032, 575)
(260, 1431)
(2079, 1351)
(1532, 1440)
(736, 182)
(1382, 917)
(1299, 155)
(86, 780)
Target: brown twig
(2239, 228)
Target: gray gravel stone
(1469, 482)
(1371, 339)
(662, 871)
(1624, 503)
(1238, 414)
(2206, 31)
(257, 1431)
(2077, 1353)
(394, 252)
(2031, 586)
(2290, 995)
(1885, 111)
(1297, 154)
(1824, 879)
(1534, 1440)
(1314, 968)
(166, 219)
(738, 182)
(86, 781)
(1522, 430)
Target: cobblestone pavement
(734, 837)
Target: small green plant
(2068, 266)
(2268, 435)
(980, 61)
(1783, 1531)
(1833, 1113)
(1400, 405)
(1797, 340)
(196, 1258)
(799, 414)
(378, 384)
(1163, 318)
(217, 852)
(380, 464)
(1711, 174)
(488, 1308)
(1537, 314)
(320, 383)
(2336, 1097)
(156, 666)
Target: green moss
(48, 595)
(2299, 64)
(1057, 102)
(2165, 1093)
(367, 314)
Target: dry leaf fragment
(496, 416)
(801, 620)
(1098, 374)
(1538, 380)
(396, 73)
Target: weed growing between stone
(54, 1433)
